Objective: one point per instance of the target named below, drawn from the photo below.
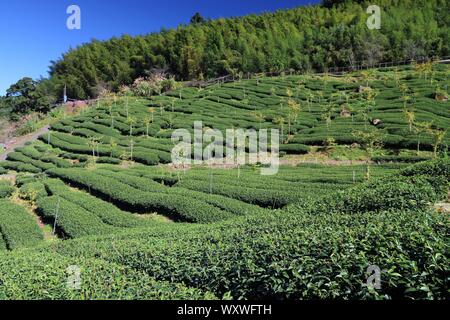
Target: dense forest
(303, 39)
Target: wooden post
(56, 215)
(210, 179)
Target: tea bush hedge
(303, 253)
(20, 167)
(33, 191)
(72, 221)
(107, 212)
(45, 276)
(17, 226)
(230, 205)
(178, 207)
(6, 189)
(263, 198)
(413, 188)
(402, 193)
(440, 167)
(20, 157)
(407, 159)
(294, 255)
(294, 148)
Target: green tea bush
(294, 148)
(74, 156)
(402, 193)
(33, 191)
(20, 157)
(402, 158)
(17, 226)
(3, 246)
(24, 178)
(44, 276)
(261, 197)
(293, 255)
(440, 167)
(178, 207)
(60, 163)
(108, 160)
(107, 212)
(20, 167)
(6, 189)
(29, 151)
(72, 220)
(73, 144)
(233, 206)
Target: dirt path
(11, 177)
(295, 161)
(444, 206)
(18, 142)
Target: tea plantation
(364, 159)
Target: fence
(330, 71)
(338, 71)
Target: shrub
(154, 84)
(60, 163)
(292, 255)
(294, 148)
(402, 193)
(407, 159)
(20, 167)
(440, 167)
(178, 207)
(230, 205)
(24, 178)
(6, 189)
(108, 160)
(107, 212)
(3, 246)
(44, 276)
(17, 226)
(269, 198)
(72, 220)
(33, 191)
(144, 88)
(20, 157)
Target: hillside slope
(396, 106)
(102, 180)
(302, 39)
(306, 252)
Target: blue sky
(34, 32)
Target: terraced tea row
(307, 252)
(398, 106)
(18, 228)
